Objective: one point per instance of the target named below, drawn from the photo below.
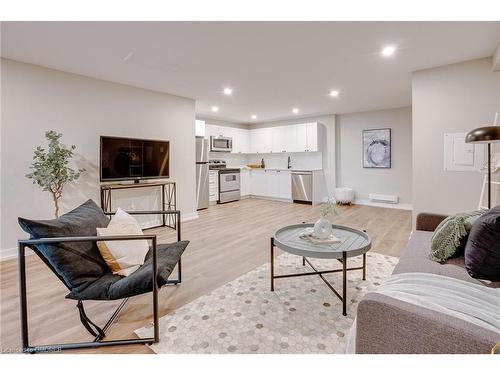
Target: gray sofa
(388, 325)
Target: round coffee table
(352, 243)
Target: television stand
(168, 198)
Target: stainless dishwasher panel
(302, 186)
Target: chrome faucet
(289, 162)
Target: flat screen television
(124, 159)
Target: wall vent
(383, 198)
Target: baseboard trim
(11, 253)
(397, 206)
(270, 198)
(190, 216)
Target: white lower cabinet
(285, 184)
(213, 186)
(258, 182)
(271, 183)
(245, 182)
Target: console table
(168, 198)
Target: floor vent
(383, 198)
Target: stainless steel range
(229, 185)
(229, 181)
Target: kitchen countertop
(280, 169)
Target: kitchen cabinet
(213, 186)
(258, 182)
(284, 184)
(212, 130)
(245, 182)
(306, 136)
(241, 141)
(279, 139)
(261, 140)
(272, 184)
(199, 128)
(286, 138)
(311, 137)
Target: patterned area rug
(302, 315)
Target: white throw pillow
(122, 257)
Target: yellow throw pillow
(122, 257)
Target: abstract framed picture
(377, 148)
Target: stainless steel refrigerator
(202, 172)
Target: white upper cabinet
(261, 140)
(301, 137)
(214, 130)
(312, 137)
(199, 128)
(287, 138)
(279, 139)
(307, 137)
(241, 141)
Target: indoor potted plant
(50, 169)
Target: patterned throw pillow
(449, 233)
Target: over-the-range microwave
(221, 144)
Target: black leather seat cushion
(75, 263)
(110, 287)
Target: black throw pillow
(76, 263)
(482, 251)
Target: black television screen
(133, 159)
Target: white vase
(322, 228)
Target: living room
(238, 188)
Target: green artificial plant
(50, 168)
(329, 208)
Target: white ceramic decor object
(322, 228)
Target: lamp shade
(485, 134)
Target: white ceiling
(272, 66)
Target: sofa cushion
(122, 257)
(482, 252)
(450, 236)
(416, 259)
(111, 287)
(76, 263)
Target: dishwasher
(302, 187)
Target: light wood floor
(226, 241)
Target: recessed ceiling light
(295, 110)
(215, 109)
(388, 51)
(129, 56)
(334, 93)
(254, 117)
(228, 91)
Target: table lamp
(489, 135)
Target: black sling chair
(67, 245)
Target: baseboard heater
(383, 198)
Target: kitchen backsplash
(301, 160)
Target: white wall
(350, 172)
(36, 99)
(452, 98)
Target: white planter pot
(322, 228)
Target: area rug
(302, 315)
